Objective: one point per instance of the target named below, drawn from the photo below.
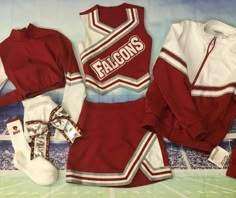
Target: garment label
(219, 156)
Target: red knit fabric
(231, 172)
(35, 61)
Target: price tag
(219, 156)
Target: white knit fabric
(39, 169)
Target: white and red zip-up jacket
(191, 100)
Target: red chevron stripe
(119, 80)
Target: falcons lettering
(104, 67)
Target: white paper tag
(219, 156)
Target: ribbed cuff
(197, 131)
(150, 122)
(9, 98)
(36, 100)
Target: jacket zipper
(210, 48)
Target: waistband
(120, 106)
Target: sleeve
(172, 84)
(231, 172)
(3, 76)
(74, 92)
(10, 97)
(155, 104)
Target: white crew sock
(39, 169)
